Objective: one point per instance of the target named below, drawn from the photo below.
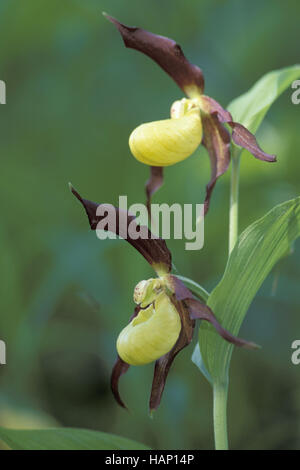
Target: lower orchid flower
(164, 317)
(193, 120)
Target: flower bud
(151, 334)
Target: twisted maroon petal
(119, 369)
(200, 311)
(217, 142)
(240, 135)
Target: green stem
(220, 416)
(234, 201)
(221, 389)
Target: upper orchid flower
(193, 120)
(164, 317)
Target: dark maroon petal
(198, 310)
(119, 369)
(201, 311)
(211, 106)
(217, 142)
(166, 53)
(163, 364)
(154, 183)
(154, 249)
(240, 135)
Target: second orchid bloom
(163, 321)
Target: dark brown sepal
(165, 52)
(242, 137)
(153, 248)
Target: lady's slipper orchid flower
(194, 120)
(164, 317)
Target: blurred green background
(74, 94)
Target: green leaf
(198, 361)
(66, 439)
(250, 108)
(257, 250)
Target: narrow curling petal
(199, 311)
(119, 369)
(240, 135)
(217, 142)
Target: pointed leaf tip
(257, 250)
(251, 107)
